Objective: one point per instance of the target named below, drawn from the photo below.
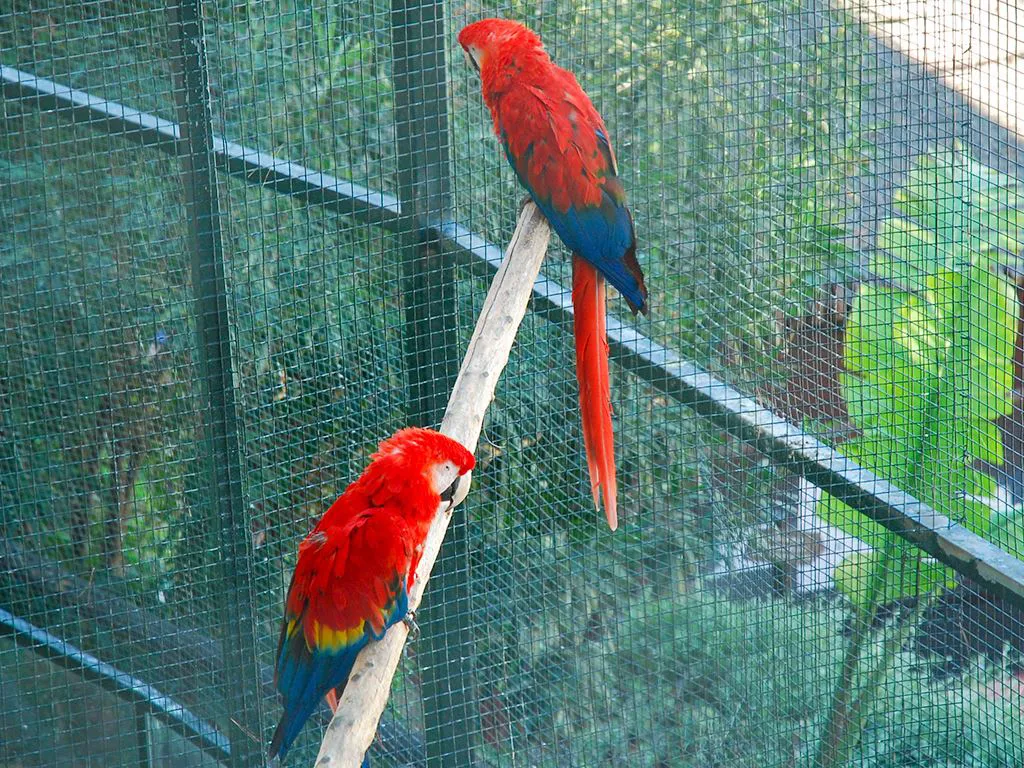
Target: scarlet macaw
(355, 569)
(559, 148)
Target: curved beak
(455, 493)
(471, 59)
(448, 494)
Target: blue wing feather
(603, 235)
(305, 675)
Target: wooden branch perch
(354, 724)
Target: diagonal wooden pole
(355, 722)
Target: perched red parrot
(354, 571)
(559, 147)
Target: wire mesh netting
(217, 298)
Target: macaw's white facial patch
(443, 476)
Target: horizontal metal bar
(785, 444)
(180, 720)
(740, 416)
(255, 167)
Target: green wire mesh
(828, 205)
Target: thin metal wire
(818, 216)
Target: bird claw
(410, 622)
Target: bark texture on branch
(352, 729)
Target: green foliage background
(928, 356)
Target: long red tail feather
(588, 301)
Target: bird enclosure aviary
(243, 243)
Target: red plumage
(559, 147)
(356, 567)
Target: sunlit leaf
(928, 354)
(908, 575)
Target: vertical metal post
(225, 504)
(421, 116)
(141, 734)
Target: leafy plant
(928, 359)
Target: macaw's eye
(449, 493)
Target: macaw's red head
(423, 458)
(498, 48)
